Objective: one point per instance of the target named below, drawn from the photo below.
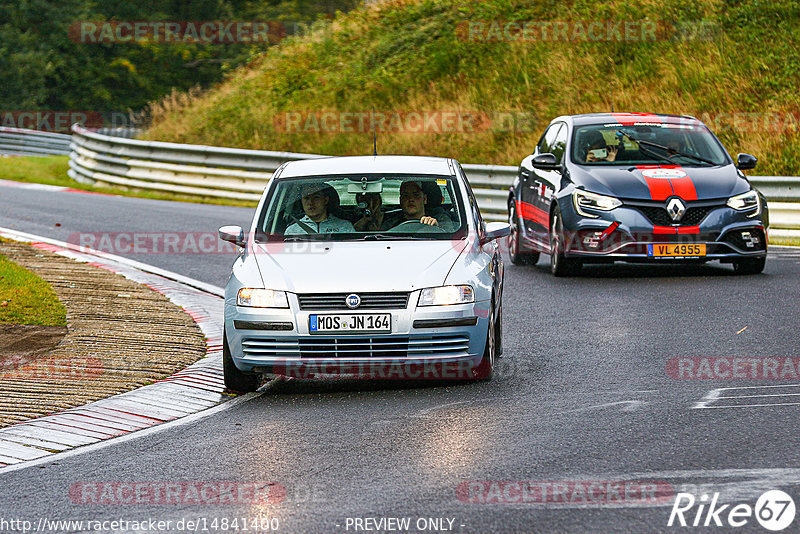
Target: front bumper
(423, 339)
(626, 232)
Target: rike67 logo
(774, 510)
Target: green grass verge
(790, 241)
(735, 65)
(27, 299)
(52, 170)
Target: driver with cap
(412, 203)
(315, 200)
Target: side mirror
(232, 234)
(545, 161)
(496, 230)
(746, 161)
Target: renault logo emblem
(352, 301)
(676, 209)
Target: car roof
(627, 118)
(367, 165)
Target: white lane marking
(28, 185)
(708, 398)
(722, 406)
(762, 387)
(718, 394)
(175, 423)
(762, 395)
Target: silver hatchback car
(373, 266)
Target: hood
(659, 182)
(353, 266)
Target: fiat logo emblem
(352, 301)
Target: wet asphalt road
(583, 393)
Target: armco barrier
(22, 142)
(220, 172)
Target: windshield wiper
(646, 151)
(300, 237)
(666, 149)
(378, 237)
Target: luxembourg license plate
(345, 322)
(670, 250)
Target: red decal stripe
(688, 229)
(607, 232)
(532, 213)
(660, 189)
(663, 230)
(684, 188)
(628, 119)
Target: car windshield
(362, 207)
(647, 144)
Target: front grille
(660, 217)
(736, 238)
(358, 347)
(369, 301)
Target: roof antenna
(612, 100)
(374, 139)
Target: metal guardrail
(22, 142)
(219, 172)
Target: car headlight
(585, 199)
(446, 295)
(745, 202)
(262, 298)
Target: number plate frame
(676, 250)
(361, 320)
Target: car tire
(749, 265)
(483, 371)
(560, 265)
(235, 379)
(517, 256)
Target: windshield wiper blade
(666, 149)
(646, 151)
(308, 237)
(377, 237)
(677, 152)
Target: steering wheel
(414, 226)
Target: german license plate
(669, 250)
(345, 322)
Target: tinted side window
(559, 144)
(546, 142)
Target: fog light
(593, 240)
(750, 240)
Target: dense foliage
(46, 66)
